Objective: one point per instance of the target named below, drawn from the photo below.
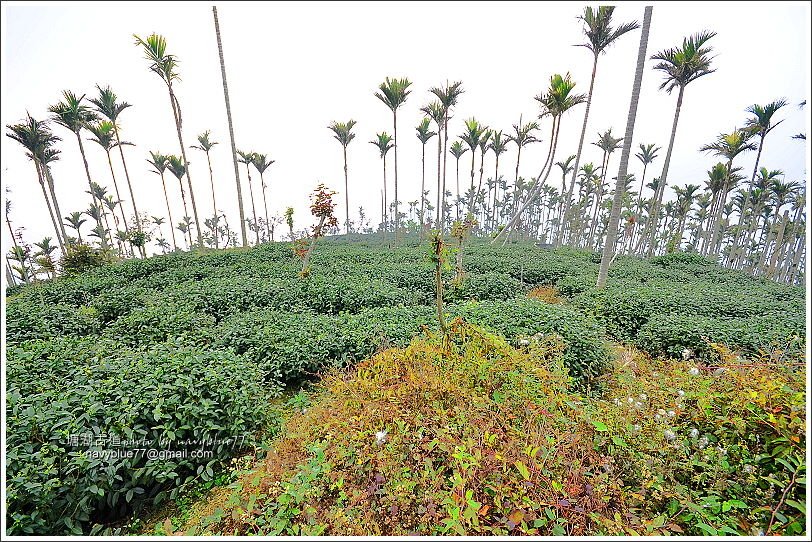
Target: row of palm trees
(526, 208)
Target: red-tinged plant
(322, 208)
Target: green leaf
(600, 426)
(523, 470)
(707, 528)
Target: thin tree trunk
(169, 212)
(395, 116)
(778, 241)
(90, 183)
(129, 185)
(178, 121)
(118, 195)
(580, 142)
(230, 129)
(347, 188)
(439, 152)
(265, 204)
(253, 206)
(664, 176)
(64, 239)
(213, 203)
(614, 217)
(445, 162)
(41, 180)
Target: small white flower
(524, 342)
(687, 354)
(636, 427)
(304, 410)
(719, 371)
(671, 413)
(721, 450)
(630, 400)
(655, 373)
(693, 371)
(638, 404)
(669, 435)
(617, 401)
(380, 437)
(643, 396)
(660, 412)
(703, 442)
(694, 433)
(749, 469)
(682, 393)
(657, 417)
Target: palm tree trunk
(445, 163)
(580, 142)
(495, 188)
(395, 116)
(48, 204)
(614, 217)
(169, 212)
(385, 200)
(439, 152)
(118, 195)
(129, 185)
(253, 206)
(471, 189)
(664, 176)
(347, 187)
(230, 129)
(778, 245)
(178, 121)
(457, 202)
(481, 171)
(213, 202)
(89, 183)
(64, 239)
(265, 204)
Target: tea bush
(68, 388)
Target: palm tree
(104, 133)
(384, 144)
(484, 144)
(566, 168)
(474, 131)
(107, 105)
(685, 200)
(424, 134)
(178, 169)
(75, 221)
(160, 162)
(342, 132)
(262, 163)
(608, 144)
(599, 35)
(647, 155)
(36, 137)
(206, 145)
(558, 100)
(165, 66)
(448, 97)
(247, 158)
(230, 128)
(499, 146)
(75, 116)
(727, 146)
(393, 93)
(457, 150)
(436, 112)
(522, 136)
(681, 66)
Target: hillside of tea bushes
(196, 346)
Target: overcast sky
(293, 68)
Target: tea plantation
(174, 350)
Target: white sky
(294, 67)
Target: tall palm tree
(74, 115)
(342, 132)
(178, 168)
(474, 131)
(484, 144)
(206, 145)
(558, 99)
(384, 144)
(608, 144)
(457, 150)
(499, 146)
(165, 66)
(522, 136)
(566, 168)
(393, 93)
(230, 128)
(685, 200)
(262, 163)
(599, 36)
(647, 155)
(159, 162)
(75, 221)
(424, 134)
(436, 112)
(36, 137)
(107, 105)
(448, 97)
(681, 66)
(247, 158)
(104, 135)
(728, 146)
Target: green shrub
(81, 258)
(154, 324)
(83, 387)
(27, 320)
